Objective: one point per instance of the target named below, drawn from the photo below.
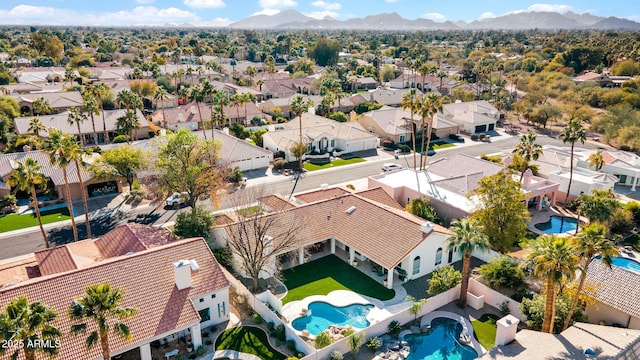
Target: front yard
(320, 277)
(334, 163)
(17, 221)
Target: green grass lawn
(17, 221)
(250, 340)
(329, 273)
(485, 330)
(339, 162)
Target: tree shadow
(99, 227)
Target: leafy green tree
(101, 304)
(554, 259)
(599, 206)
(534, 310)
(30, 325)
(528, 150)
(545, 113)
(502, 211)
(443, 279)
(422, 208)
(194, 223)
(325, 51)
(122, 161)
(9, 107)
(572, 133)
(467, 237)
(589, 243)
(502, 271)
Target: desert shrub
(271, 326)
(291, 345)
(279, 163)
(322, 340)
(443, 279)
(338, 116)
(394, 328)
(373, 344)
(621, 221)
(497, 159)
(423, 208)
(257, 318)
(335, 355)
(194, 223)
(350, 186)
(120, 139)
(502, 271)
(234, 175)
(634, 208)
(348, 332)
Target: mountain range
(294, 20)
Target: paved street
(109, 212)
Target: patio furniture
(171, 353)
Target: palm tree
(77, 116)
(571, 133)
(162, 95)
(57, 146)
(468, 236)
(246, 98)
(41, 106)
(101, 305)
(25, 177)
(596, 160)
(196, 95)
(29, 324)
(77, 153)
(589, 243)
(428, 107)
(36, 126)
(90, 104)
(260, 82)
(127, 124)
(555, 258)
(235, 101)
(409, 102)
(528, 149)
(100, 92)
(251, 72)
(298, 106)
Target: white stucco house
(473, 116)
(624, 165)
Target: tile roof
(462, 165)
(57, 100)
(276, 202)
(611, 286)
(55, 260)
(148, 281)
(323, 194)
(132, 237)
(9, 161)
(59, 121)
(379, 195)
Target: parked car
(391, 166)
(177, 199)
(430, 152)
(456, 137)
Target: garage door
(355, 146)
(481, 128)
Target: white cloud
(145, 1)
(141, 15)
(326, 5)
(434, 16)
(266, 12)
(391, 1)
(560, 8)
(205, 3)
(277, 4)
(322, 14)
(487, 15)
(214, 22)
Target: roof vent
(180, 117)
(426, 227)
(350, 210)
(194, 265)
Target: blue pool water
(557, 225)
(440, 343)
(321, 315)
(626, 263)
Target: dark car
(431, 152)
(456, 137)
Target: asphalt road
(31, 241)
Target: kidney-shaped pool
(320, 315)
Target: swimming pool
(626, 263)
(557, 225)
(440, 342)
(321, 315)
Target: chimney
(426, 227)
(526, 181)
(182, 274)
(507, 327)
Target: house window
(221, 309)
(201, 299)
(213, 296)
(402, 138)
(333, 143)
(623, 179)
(416, 265)
(205, 315)
(439, 256)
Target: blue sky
(223, 12)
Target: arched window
(416, 265)
(439, 256)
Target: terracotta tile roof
(55, 260)
(381, 196)
(611, 286)
(276, 203)
(15, 270)
(318, 195)
(223, 220)
(132, 237)
(148, 280)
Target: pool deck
(467, 328)
(545, 214)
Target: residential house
(365, 82)
(321, 135)
(473, 116)
(428, 83)
(28, 87)
(58, 101)
(604, 79)
(285, 88)
(177, 286)
(387, 96)
(188, 116)
(624, 165)
(111, 73)
(42, 75)
(355, 227)
(284, 104)
(59, 121)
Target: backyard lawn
(329, 273)
(17, 221)
(250, 340)
(338, 162)
(485, 330)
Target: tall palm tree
(127, 124)
(260, 82)
(25, 177)
(572, 133)
(58, 147)
(528, 149)
(29, 324)
(299, 106)
(101, 305)
(162, 95)
(428, 106)
(100, 92)
(77, 154)
(589, 243)
(235, 101)
(410, 102)
(555, 259)
(76, 116)
(197, 95)
(246, 98)
(596, 160)
(36, 126)
(467, 237)
(90, 107)
(220, 100)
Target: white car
(390, 167)
(177, 199)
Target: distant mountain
(294, 20)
